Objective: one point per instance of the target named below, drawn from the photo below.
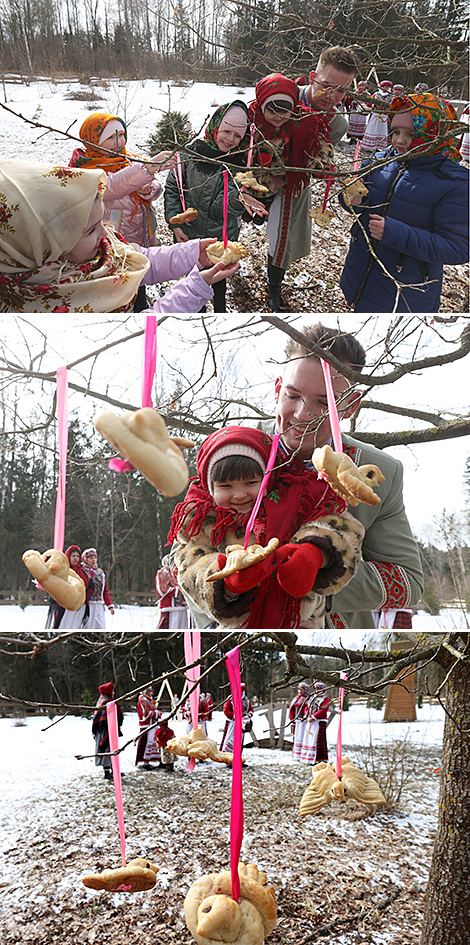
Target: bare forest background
(234, 42)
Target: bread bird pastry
(142, 438)
(353, 483)
(358, 785)
(231, 253)
(138, 875)
(239, 558)
(324, 788)
(354, 187)
(322, 217)
(53, 572)
(212, 916)
(185, 217)
(198, 745)
(248, 179)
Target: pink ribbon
(192, 652)
(356, 155)
(339, 739)
(250, 149)
(111, 713)
(225, 238)
(232, 661)
(332, 407)
(179, 179)
(270, 464)
(149, 364)
(149, 359)
(328, 188)
(63, 435)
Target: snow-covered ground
(134, 617)
(38, 756)
(140, 103)
(58, 817)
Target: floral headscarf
(43, 213)
(213, 124)
(432, 117)
(89, 156)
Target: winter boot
(275, 277)
(108, 774)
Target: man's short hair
(341, 57)
(342, 345)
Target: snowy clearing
(134, 617)
(59, 822)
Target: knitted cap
(106, 689)
(283, 102)
(89, 551)
(303, 686)
(232, 441)
(386, 84)
(319, 684)
(235, 119)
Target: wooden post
(401, 701)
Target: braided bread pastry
(231, 253)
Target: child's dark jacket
(426, 227)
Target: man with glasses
(329, 83)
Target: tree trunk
(447, 904)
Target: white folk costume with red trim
(298, 711)
(314, 748)
(247, 710)
(148, 713)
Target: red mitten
(247, 578)
(298, 566)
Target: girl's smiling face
(227, 139)
(114, 142)
(86, 247)
(402, 131)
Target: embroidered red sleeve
(396, 587)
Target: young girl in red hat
(319, 541)
(286, 134)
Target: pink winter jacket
(172, 262)
(119, 207)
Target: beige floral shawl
(43, 213)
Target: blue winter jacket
(425, 205)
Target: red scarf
(294, 496)
(301, 135)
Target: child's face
(276, 116)
(115, 141)
(227, 139)
(239, 494)
(91, 237)
(402, 131)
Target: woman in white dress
(298, 719)
(376, 133)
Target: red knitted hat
(106, 689)
(232, 441)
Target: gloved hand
(245, 579)
(298, 566)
